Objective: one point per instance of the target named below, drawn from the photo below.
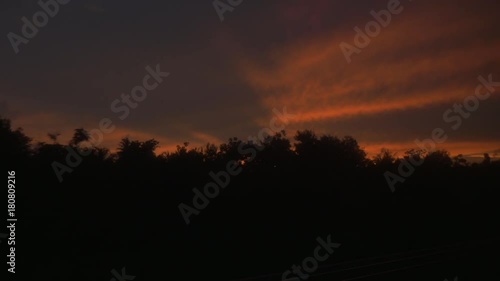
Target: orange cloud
(409, 65)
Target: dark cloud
(226, 77)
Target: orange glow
(315, 81)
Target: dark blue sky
(226, 77)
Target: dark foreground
(121, 212)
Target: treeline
(122, 209)
(337, 155)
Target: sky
(226, 77)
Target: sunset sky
(226, 77)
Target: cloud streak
(409, 65)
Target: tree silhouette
(124, 205)
(15, 145)
(136, 151)
(80, 135)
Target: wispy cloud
(409, 65)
